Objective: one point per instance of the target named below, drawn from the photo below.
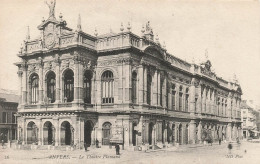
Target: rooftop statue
(52, 8)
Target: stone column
(212, 103)
(130, 132)
(20, 74)
(127, 79)
(204, 100)
(170, 131)
(208, 101)
(24, 131)
(154, 137)
(57, 130)
(159, 94)
(169, 96)
(145, 85)
(164, 93)
(57, 91)
(74, 130)
(155, 89)
(140, 130)
(229, 105)
(199, 132)
(192, 96)
(41, 82)
(199, 101)
(192, 131)
(177, 95)
(78, 80)
(94, 88)
(24, 84)
(229, 132)
(141, 84)
(38, 122)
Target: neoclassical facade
(77, 88)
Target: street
(199, 154)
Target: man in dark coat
(85, 146)
(230, 147)
(117, 149)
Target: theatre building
(78, 88)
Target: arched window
(34, 88)
(173, 96)
(180, 98)
(69, 86)
(187, 100)
(107, 87)
(51, 86)
(134, 79)
(161, 90)
(87, 87)
(149, 85)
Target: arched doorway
(88, 128)
(173, 133)
(134, 134)
(66, 133)
(106, 133)
(180, 134)
(48, 133)
(151, 136)
(31, 133)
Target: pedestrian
(85, 146)
(219, 141)
(3, 144)
(117, 149)
(238, 143)
(230, 147)
(97, 142)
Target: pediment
(154, 51)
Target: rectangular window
(173, 100)
(13, 134)
(4, 117)
(13, 118)
(187, 103)
(180, 101)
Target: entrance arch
(106, 130)
(48, 130)
(88, 128)
(134, 134)
(151, 136)
(31, 133)
(66, 133)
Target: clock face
(49, 40)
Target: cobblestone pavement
(216, 154)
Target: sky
(228, 30)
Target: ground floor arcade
(78, 129)
(7, 132)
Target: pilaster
(141, 84)
(57, 70)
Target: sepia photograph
(130, 81)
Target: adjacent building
(78, 88)
(249, 116)
(8, 109)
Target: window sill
(108, 104)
